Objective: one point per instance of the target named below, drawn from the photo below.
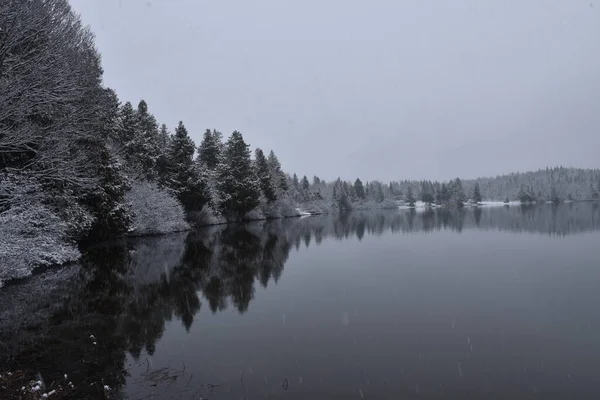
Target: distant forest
(77, 166)
(555, 185)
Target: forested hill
(549, 184)
(544, 184)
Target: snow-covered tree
(476, 193)
(278, 175)
(238, 186)
(112, 216)
(209, 151)
(264, 176)
(155, 211)
(188, 180)
(162, 162)
(427, 195)
(359, 189)
(410, 198)
(305, 184)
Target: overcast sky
(379, 89)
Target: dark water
(500, 303)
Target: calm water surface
(502, 303)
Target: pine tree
(164, 137)
(209, 151)
(295, 181)
(359, 189)
(426, 193)
(188, 180)
(410, 198)
(162, 162)
(238, 186)
(476, 193)
(112, 216)
(594, 194)
(554, 197)
(127, 131)
(145, 143)
(264, 176)
(458, 193)
(378, 192)
(340, 196)
(278, 175)
(445, 195)
(305, 183)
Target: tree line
(71, 154)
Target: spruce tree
(295, 181)
(188, 181)
(359, 189)
(238, 186)
(209, 151)
(162, 162)
(378, 192)
(264, 176)
(163, 137)
(476, 193)
(278, 175)
(458, 193)
(305, 183)
(127, 131)
(426, 193)
(445, 194)
(112, 216)
(146, 141)
(410, 198)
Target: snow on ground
(499, 203)
(303, 213)
(32, 236)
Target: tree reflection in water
(124, 292)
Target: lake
(491, 302)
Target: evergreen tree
(410, 198)
(445, 195)
(378, 192)
(238, 186)
(264, 176)
(359, 189)
(112, 216)
(340, 196)
(164, 137)
(295, 181)
(554, 197)
(594, 194)
(278, 175)
(427, 193)
(145, 143)
(458, 193)
(188, 180)
(305, 183)
(476, 193)
(316, 181)
(127, 131)
(209, 151)
(162, 162)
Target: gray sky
(380, 89)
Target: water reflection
(125, 293)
